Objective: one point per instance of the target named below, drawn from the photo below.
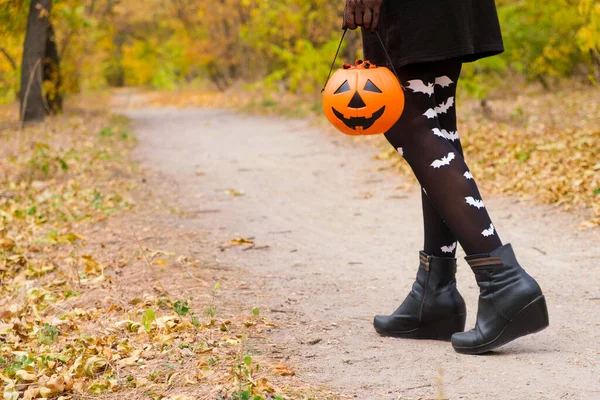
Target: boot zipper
(425, 287)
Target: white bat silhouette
(443, 161)
(400, 151)
(445, 134)
(445, 106)
(468, 175)
(438, 132)
(417, 86)
(474, 202)
(449, 249)
(430, 113)
(489, 231)
(452, 135)
(443, 81)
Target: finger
(368, 18)
(358, 12)
(349, 18)
(375, 21)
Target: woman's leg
(439, 240)
(434, 309)
(511, 303)
(434, 158)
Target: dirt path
(342, 246)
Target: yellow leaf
(234, 193)
(190, 381)
(5, 329)
(34, 272)
(7, 244)
(283, 370)
(25, 376)
(164, 339)
(172, 377)
(239, 242)
(92, 266)
(93, 365)
(10, 392)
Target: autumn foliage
(281, 45)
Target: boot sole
(531, 319)
(438, 330)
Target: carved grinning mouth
(363, 122)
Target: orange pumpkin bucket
(363, 99)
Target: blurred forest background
(273, 45)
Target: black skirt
(417, 31)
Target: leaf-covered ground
(104, 293)
(538, 145)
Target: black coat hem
(468, 54)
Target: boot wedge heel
(505, 310)
(531, 319)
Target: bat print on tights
(444, 106)
(430, 113)
(443, 81)
(453, 210)
(441, 108)
(474, 202)
(449, 249)
(417, 86)
(443, 161)
(452, 136)
(489, 231)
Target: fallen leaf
(283, 370)
(93, 365)
(26, 376)
(7, 244)
(234, 193)
(56, 384)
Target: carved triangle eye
(344, 88)
(370, 87)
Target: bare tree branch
(9, 58)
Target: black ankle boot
(511, 303)
(433, 309)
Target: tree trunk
(51, 75)
(113, 72)
(34, 50)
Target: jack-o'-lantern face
(363, 99)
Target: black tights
(427, 137)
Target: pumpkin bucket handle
(338, 51)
